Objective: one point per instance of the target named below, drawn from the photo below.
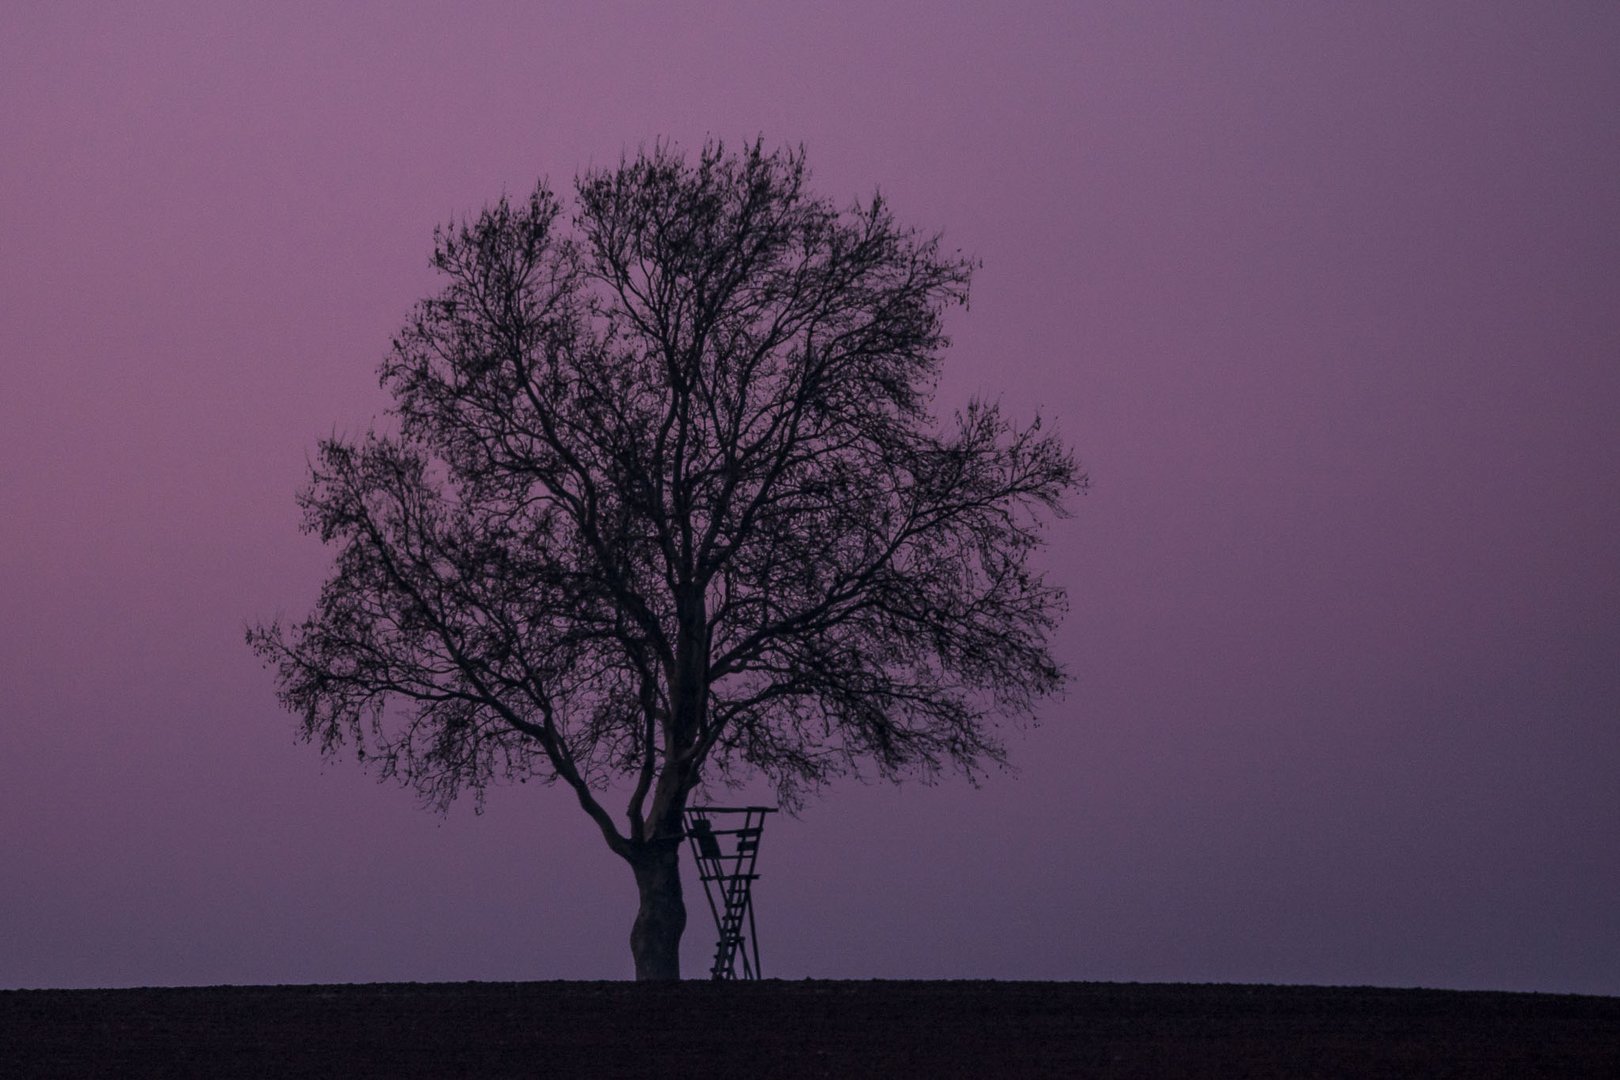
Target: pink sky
(1327, 297)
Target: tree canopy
(663, 502)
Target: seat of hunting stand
(703, 833)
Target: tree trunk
(655, 937)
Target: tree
(665, 505)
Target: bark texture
(655, 936)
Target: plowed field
(804, 1029)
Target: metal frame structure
(725, 860)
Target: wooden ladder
(725, 859)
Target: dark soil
(805, 1029)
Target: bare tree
(666, 505)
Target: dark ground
(805, 1029)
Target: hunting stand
(725, 861)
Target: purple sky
(1327, 297)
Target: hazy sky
(1326, 296)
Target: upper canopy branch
(667, 492)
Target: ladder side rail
(708, 891)
(758, 832)
(722, 965)
(753, 939)
(705, 873)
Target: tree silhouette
(664, 504)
